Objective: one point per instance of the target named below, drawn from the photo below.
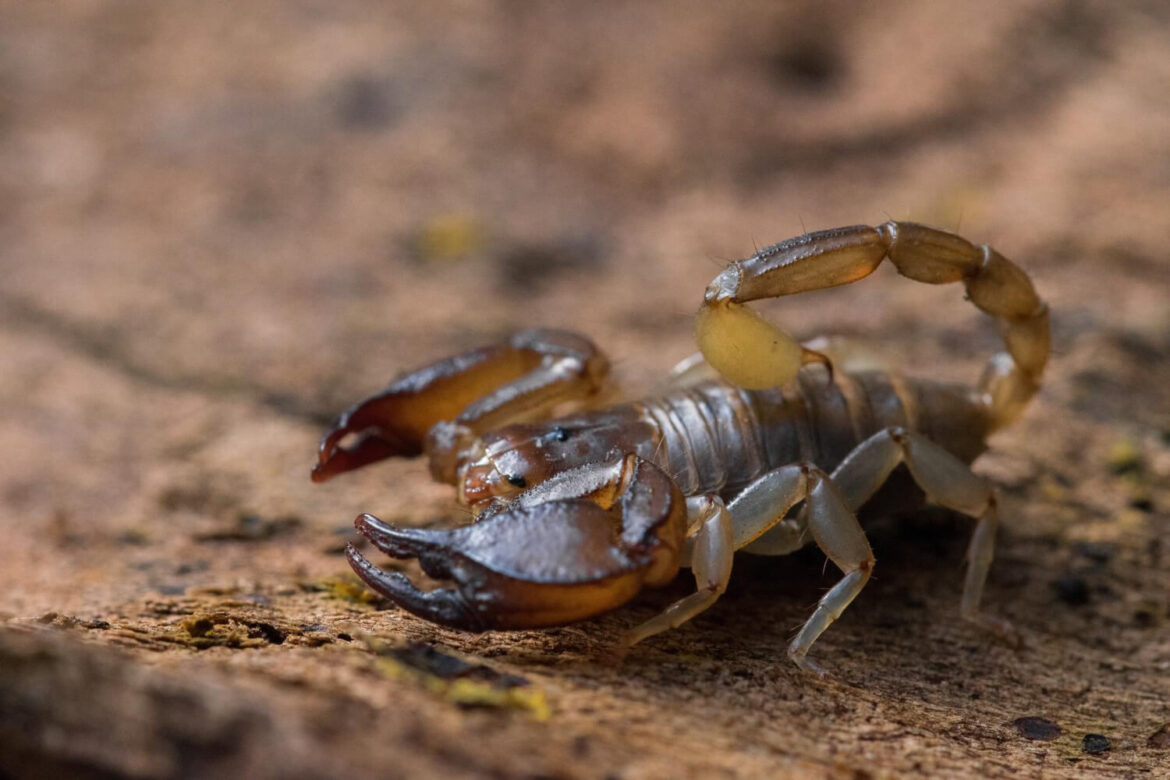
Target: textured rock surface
(220, 223)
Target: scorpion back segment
(576, 514)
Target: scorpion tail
(737, 342)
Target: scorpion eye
(561, 434)
(516, 480)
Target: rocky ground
(221, 223)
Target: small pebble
(1072, 590)
(1144, 618)
(1097, 553)
(1095, 744)
(1037, 728)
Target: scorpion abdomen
(715, 437)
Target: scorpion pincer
(575, 514)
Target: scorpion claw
(333, 459)
(533, 566)
(442, 606)
(395, 542)
(407, 543)
(435, 409)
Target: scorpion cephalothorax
(574, 515)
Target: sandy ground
(222, 223)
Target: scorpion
(760, 444)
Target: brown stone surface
(221, 222)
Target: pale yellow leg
(711, 555)
(947, 481)
(836, 531)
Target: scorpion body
(760, 444)
(717, 438)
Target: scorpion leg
(758, 512)
(711, 551)
(761, 507)
(436, 408)
(848, 354)
(947, 481)
(755, 521)
(759, 525)
(579, 544)
(688, 372)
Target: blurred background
(220, 223)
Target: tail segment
(829, 258)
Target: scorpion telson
(575, 515)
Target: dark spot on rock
(133, 537)
(344, 637)
(912, 600)
(269, 632)
(1142, 503)
(191, 567)
(1095, 552)
(1072, 590)
(1035, 727)
(203, 497)
(198, 627)
(581, 746)
(811, 64)
(1095, 744)
(526, 266)
(425, 658)
(97, 624)
(1144, 618)
(251, 528)
(517, 481)
(1160, 739)
(366, 102)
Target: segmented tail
(738, 343)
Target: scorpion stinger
(581, 543)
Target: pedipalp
(594, 538)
